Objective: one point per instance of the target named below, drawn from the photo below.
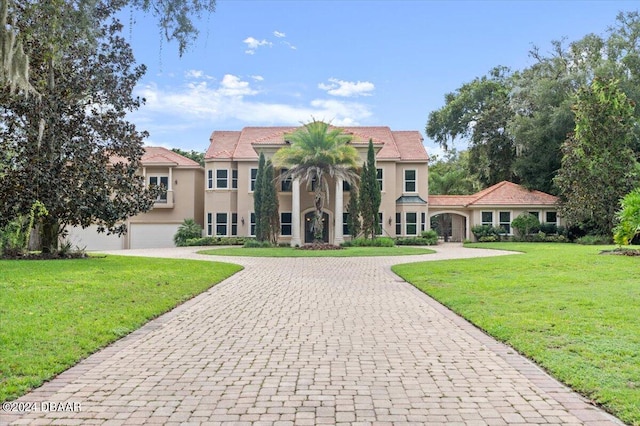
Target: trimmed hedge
(365, 242)
(216, 241)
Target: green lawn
(53, 313)
(574, 311)
(292, 252)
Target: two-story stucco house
(182, 199)
(231, 165)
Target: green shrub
(486, 233)
(215, 241)
(593, 240)
(188, 230)
(374, 242)
(415, 241)
(431, 236)
(256, 244)
(525, 224)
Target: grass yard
(292, 252)
(53, 313)
(574, 311)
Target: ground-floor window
(221, 224)
(411, 225)
(234, 224)
(505, 221)
(487, 218)
(398, 224)
(423, 221)
(209, 224)
(380, 219)
(285, 223)
(552, 217)
(252, 225)
(345, 224)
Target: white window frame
(546, 217)
(502, 223)
(252, 224)
(381, 179)
(225, 224)
(226, 179)
(252, 181)
(415, 181)
(159, 177)
(283, 223)
(210, 179)
(482, 222)
(381, 223)
(234, 179)
(209, 224)
(407, 223)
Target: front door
(308, 232)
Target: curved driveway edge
(308, 341)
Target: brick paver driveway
(309, 341)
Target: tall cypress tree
(258, 198)
(370, 195)
(353, 221)
(270, 218)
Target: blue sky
(368, 63)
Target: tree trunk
(49, 235)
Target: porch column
(337, 233)
(170, 186)
(295, 213)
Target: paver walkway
(309, 341)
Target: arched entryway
(451, 227)
(308, 233)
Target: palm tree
(316, 153)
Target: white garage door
(145, 235)
(91, 240)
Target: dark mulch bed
(622, 252)
(319, 246)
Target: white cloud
(253, 44)
(347, 88)
(291, 46)
(257, 77)
(197, 74)
(233, 100)
(279, 34)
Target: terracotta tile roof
(158, 155)
(224, 146)
(501, 194)
(238, 145)
(410, 145)
(450, 200)
(508, 193)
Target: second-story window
(253, 174)
(410, 181)
(285, 184)
(163, 183)
(379, 176)
(234, 179)
(222, 179)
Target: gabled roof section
(508, 193)
(410, 146)
(159, 156)
(501, 194)
(240, 145)
(222, 144)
